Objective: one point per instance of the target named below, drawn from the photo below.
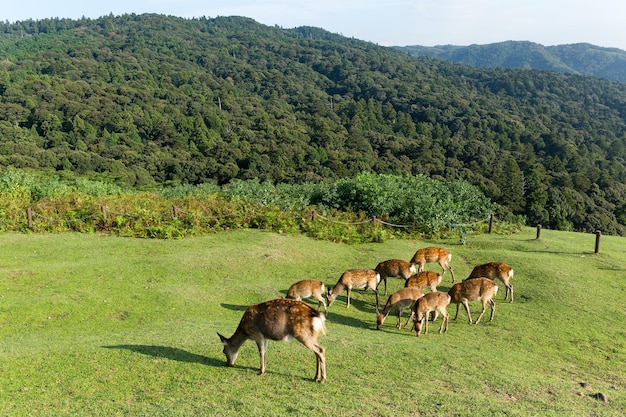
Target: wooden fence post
(598, 234)
(29, 218)
(538, 231)
(103, 209)
(313, 214)
(175, 212)
(490, 222)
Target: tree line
(146, 101)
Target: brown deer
(482, 289)
(493, 271)
(433, 302)
(433, 254)
(425, 279)
(396, 303)
(394, 268)
(355, 278)
(308, 288)
(279, 320)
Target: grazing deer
(493, 271)
(482, 289)
(433, 254)
(394, 268)
(425, 279)
(279, 320)
(435, 302)
(397, 302)
(308, 288)
(355, 278)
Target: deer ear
(222, 338)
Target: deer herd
(285, 318)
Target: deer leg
(383, 278)
(348, 301)
(444, 322)
(493, 309)
(483, 312)
(451, 272)
(320, 354)
(376, 292)
(457, 312)
(410, 318)
(262, 345)
(469, 315)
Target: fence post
(538, 231)
(29, 218)
(598, 234)
(490, 222)
(175, 212)
(313, 214)
(103, 209)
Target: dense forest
(149, 100)
(575, 58)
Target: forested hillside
(576, 58)
(154, 100)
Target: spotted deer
(425, 279)
(279, 320)
(394, 268)
(493, 271)
(308, 288)
(474, 289)
(433, 254)
(355, 278)
(433, 302)
(397, 302)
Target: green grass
(94, 325)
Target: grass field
(94, 325)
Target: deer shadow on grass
(170, 353)
(235, 307)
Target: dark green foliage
(152, 101)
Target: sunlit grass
(102, 326)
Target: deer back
(402, 298)
(473, 289)
(282, 319)
(493, 271)
(306, 288)
(424, 279)
(395, 268)
(431, 254)
(359, 278)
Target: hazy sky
(391, 22)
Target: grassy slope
(97, 325)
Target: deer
(482, 289)
(493, 271)
(433, 302)
(396, 302)
(280, 320)
(433, 254)
(355, 278)
(394, 268)
(308, 288)
(424, 279)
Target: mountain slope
(154, 100)
(580, 58)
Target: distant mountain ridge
(578, 58)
